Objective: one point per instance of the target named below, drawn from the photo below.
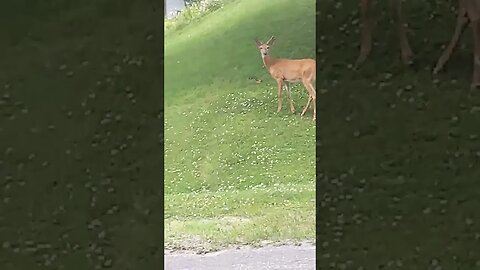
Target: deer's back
(293, 69)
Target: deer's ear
(271, 40)
(258, 43)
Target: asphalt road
(247, 258)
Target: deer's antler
(270, 41)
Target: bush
(194, 11)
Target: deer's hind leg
(462, 21)
(311, 97)
(473, 10)
(476, 54)
(405, 49)
(314, 98)
(308, 104)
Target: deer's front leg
(280, 86)
(366, 31)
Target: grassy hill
(399, 148)
(236, 171)
(79, 134)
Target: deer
(286, 71)
(468, 11)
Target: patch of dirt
(197, 245)
(190, 244)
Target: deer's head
(264, 47)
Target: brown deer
(285, 71)
(468, 11)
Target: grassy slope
(400, 149)
(66, 157)
(236, 171)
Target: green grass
(236, 171)
(79, 134)
(399, 148)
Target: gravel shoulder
(298, 257)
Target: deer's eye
(268, 47)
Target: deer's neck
(267, 61)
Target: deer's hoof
(407, 58)
(474, 85)
(360, 60)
